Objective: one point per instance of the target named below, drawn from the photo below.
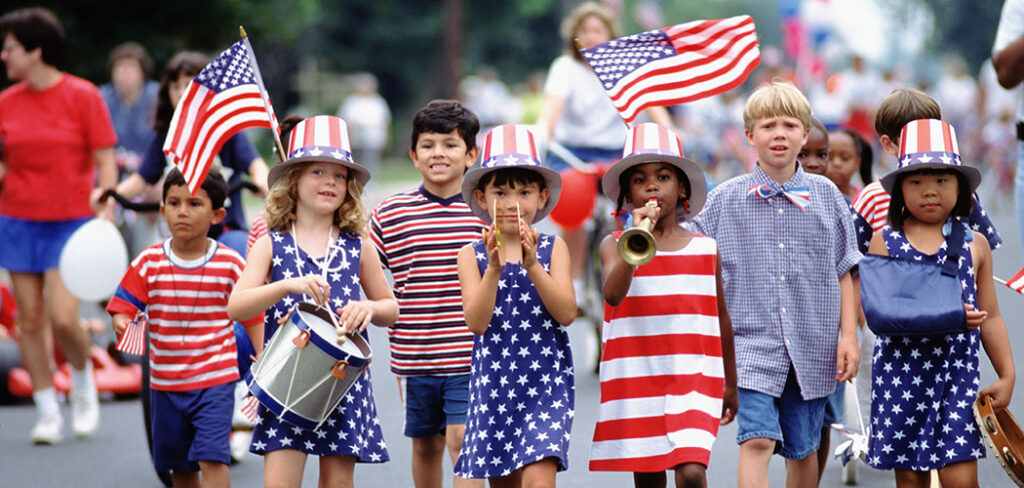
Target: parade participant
(236, 158)
(258, 226)
(928, 424)
(418, 234)
(314, 252)
(57, 143)
(850, 154)
(787, 245)
(814, 154)
(668, 375)
(131, 97)
(516, 295)
(1008, 59)
(182, 285)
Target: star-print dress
(923, 388)
(353, 429)
(521, 393)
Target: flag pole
(998, 280)
(266, 98)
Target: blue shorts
(793, 422)
(434, 402)
(32, 246)
(836, 405)
(586, 154)
(191, 426)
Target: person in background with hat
(58, 152)
(663, 411)
(787, 245)
(315, 250)
(516, 294)
(926, 421)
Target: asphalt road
(117, 455)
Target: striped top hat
(653, 143)
(323, 139)
(929, 144)
(510, 146)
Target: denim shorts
(836, 405)
(31, 246)
(191, 426)
(434, 402)
(794, 423)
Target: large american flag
(224, 98)
(676, 64)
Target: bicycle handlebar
(155, 206)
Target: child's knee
(759, 446)
(691, 475)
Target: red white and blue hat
(653, 143)
(321, 139)
(929, 144)
(510, 146)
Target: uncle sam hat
(929, 144)
(320, 139)
(510, 146)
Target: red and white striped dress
(661, 367)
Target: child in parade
(815, 153)
(516, 294)
(668, 373)
(787, 245)
(921, 416)
(183, 285)
(418, 234)
(315, 252)
(850, 153)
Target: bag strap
(954, 248)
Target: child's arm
(847, 353)
(554, 287)
(380, 307)
(253, 295)
(479, 292)
(730, 398)
(616, 274)
(993, 329)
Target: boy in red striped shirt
(183, 285)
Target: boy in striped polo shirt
(418, 234)
(183, 285)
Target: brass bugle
(636, 245)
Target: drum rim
(324, 345)
(274, 405)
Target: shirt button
(782, 278)
(783, 309)
(780, 210)
(782, 246)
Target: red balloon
(576, 202)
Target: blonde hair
(284, 195)
(572, 23)
(774, 99)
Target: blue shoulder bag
(913, 298)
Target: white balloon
(93, 261)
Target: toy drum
(303, 373)
(1003, 436)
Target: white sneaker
(48, 430)
(85, 413)
(240, 440)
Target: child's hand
(528, 239)
(313, 286)
(1001, 390)
(974, 317)
(847, 358)
(650, 212)
(491, 244)
(355, 315)
(730, 403)
(120, 323)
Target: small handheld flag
(133, 340)
(1017, 282)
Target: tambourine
(1003, 436)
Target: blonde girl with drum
(316, 252)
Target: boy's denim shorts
(794, 423)
(191, 426)
(433, 403)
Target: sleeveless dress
(662, 373)
(353, 429)
(521, 392)
(923, 387)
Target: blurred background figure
(369, 122)
(490, 99)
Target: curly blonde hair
(283, 197)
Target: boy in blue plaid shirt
(787, 245)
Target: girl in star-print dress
(924, 386)
(517, 295)
(315, 252)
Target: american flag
(676, 64)
(1017, 282)
(133, 340)
(224, 98)
(249, 410)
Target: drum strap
(329, 253)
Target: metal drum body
(303, 373)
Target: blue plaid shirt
(781, 268)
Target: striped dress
(662, 374)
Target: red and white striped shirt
(418, 236)
(191, 338)
(873, 204)
(662, 374)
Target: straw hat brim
(551, 178)
(361, 174)
(970, 172)
(693, 171)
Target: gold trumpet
(637, 246)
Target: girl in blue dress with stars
(924, 386)
(517, 296)
(315, 252)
